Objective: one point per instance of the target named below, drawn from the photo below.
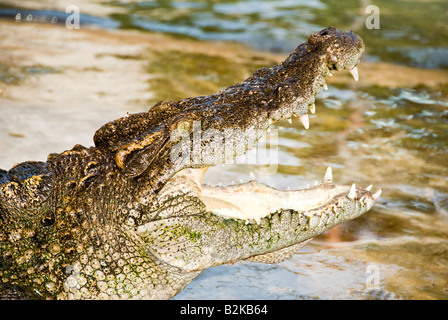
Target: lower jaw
(253, 201)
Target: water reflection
(410, 32)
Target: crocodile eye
(47, 221)
(183, 126)
(324, 33)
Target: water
(394, 136)
(411, 32)
(54, 17)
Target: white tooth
(328, 175)
(330, 74)
(269, 129)
(354, 73)
(376, 195)
(352, 193)
(305, 120)
(325, 87)
(312, 108)
(290, 120)
(252, 176)
(369, 188)
(363, 199)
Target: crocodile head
(229, 122)
(130, 216)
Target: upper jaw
(296, 78)
(238, 115)
(301, 108)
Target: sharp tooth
(375, 196)
(290, 120)
(352, 193)
(328, 175)
(363, 199)
(252, 176)
(354, 73)
(312, 108)
(269, 129)
(330, 74)
(325, 87)
(305, 120)
(369, 188)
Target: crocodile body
(129, 217)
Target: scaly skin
(126, 219)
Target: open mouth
(254, 201)
(251, 220)
(193, 226)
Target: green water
(410, 32)
(394, 138)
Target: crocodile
(129, 218)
